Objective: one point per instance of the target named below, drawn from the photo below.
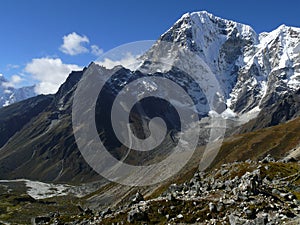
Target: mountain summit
(253, 70)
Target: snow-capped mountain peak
(9, 95)
(271, 71)
(253, 70)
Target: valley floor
(250, 192)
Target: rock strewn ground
(264, 192)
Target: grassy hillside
(277, 141)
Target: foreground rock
(241, 193)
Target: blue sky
(32, 31)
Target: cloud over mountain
(50, 73)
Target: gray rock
(275, 192)
(220, 207)
(106, 212)
(212, 207)
(136, 215)
(266, 180)
(284, 195)
(175, 188)
(250, 214)
(288, 160)
(291, 197)
(224, 172)
(88, 211)
(171, 197)
(138, 197)
(248, 161)
(260, 221)
(249, 182)
(268, 159)
(235, 220)
(40, 220)
(219, 185)
(180, 216)
(196, 187)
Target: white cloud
(73, 44)
(50, 73)
(14, 80)
(129, 61)
(95, 50)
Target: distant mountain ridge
(10, 95)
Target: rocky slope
(250, 192)
(14, 117)
(46, 148)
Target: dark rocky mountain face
(287, 107)
(43, 136)
(46, 147)
(14, 117)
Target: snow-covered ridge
(9, 95)
(253, 70)
(204, 17)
